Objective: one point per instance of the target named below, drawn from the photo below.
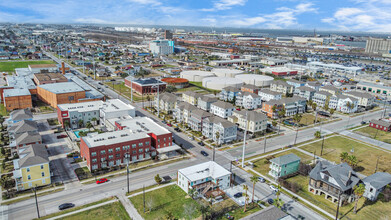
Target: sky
(342, 15)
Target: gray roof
(295, 81)
(250, 86)
(168, 97)
(285, 159)
(59, 88)
(21, 114)
(187, 106)
(16, 92)
(148, 81)
(324, 93)
(24, 126)
(192, 94)
(359, 94)
(250, 94)
(27, 137)
(268, 91)
(280, 82)
(306, 88)
(207, 98)
(33, 154)
(252, 115)
(332, 88)
(340, 96)
(339, 172)
(380, 122)
(378, 180)
(224, 105)
(269, 213)
(231, 89)
(199, 113)
(313, 83)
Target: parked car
(261, 179)
(103, 180)
(191, 138)
(204, 153)
(62, 136)
(177, 129)
(238, 195)
(273, 188)
(201, 143)
(363, 122)
(270, 201)
(66, 206)
(169, 125)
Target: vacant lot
(378, 210)
(10, 66)
(309, 119)
(373, 132)
(366, 155)
(170, 199)
(113, 211)
(125, 91)
(262, 166)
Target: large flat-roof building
(376, 45)
(36, 68)
(47, 78)
(145, 86)
(17, 99)
(161, 47)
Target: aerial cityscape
(226, 109)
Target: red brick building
(380, 125)
(145, 86)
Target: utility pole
(377, 163)
(321, 149)
(297, 132)
(127, 173)
(131, 91)
(214, 152)
(339, 198)
(144, 197)
(244, 140)
(36, 200)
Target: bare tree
(189, 210)
(149, 202)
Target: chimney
(63, 68)
(350, 174)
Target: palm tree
(281, 114)
(297, 118)
(149, 101)
(192, 192)
(89, 125)
(66, 124)
(344, 156)
(205, 210)
(278, 203)
(317, 134)
(332, 111)
(94, 120)
(254, 180)
(218, 137)
(309, 102)
(245, 188)
(358, 192)
(352, 160)
(326, 107)
(314, 105)
(80, 123)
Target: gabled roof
(251, 115)
(199, 113)
(207, 98)
(359, 94)
(285, 159)
(253, 95)
(192, 94)
(340, 96)
(269, 213)
(324, 93)
(306, 88)
(231, 89)
(224, 105)
(27, 137)
(21, 114)
(187, 106)
(280, 82)
(24, 126)
(378, 180)
(380, 122)
(168, 97)
(250, 86)
(268, 91)
(33, 155)
(330, 88)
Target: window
(126, 147)
(140, 144)
(70, 98)
(93, 154)
(29, 177)
(111, 150)
(118, 155)
(146, 149)
(103, 152)
(28, 169)
(164, 139)
(111, 156)
(134, 152)
(140, 150)
(371, 190)
(117, 149)
(43, 173)
(147, 143)
(94, 160)
(134, 145)
(41, 167)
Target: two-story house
(333, 180)
(365, 100)
(205, 101)
(284, 165)
(248, 100)
(204, 177)
(168, 102)
(222, 109)
(267, 95)
(281, 86)
(256, 121)
(314, 85)
(305, 92)
(196, 119)
(321, 98)
(375, 184)
(343, 103)
(229, 93)
(191, 97)
(219, 130)
(32, 168)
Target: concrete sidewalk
(129, 207)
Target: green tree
(158, 179)
(278, 203)
(352, 161)
(205, 211)
(314, 105)
(326, 107)
(332, 111)
(94, 120)
(317, 134)
(254, 180)
(245, 188)
(192, 192)
(66, 124)
(297, 118)
(281, 114)
(344, 156)
(89, 125)
(80, 123)
(217, 137)
(358, 191)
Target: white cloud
(369, 15)
(225, 5)
(146, 2)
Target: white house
(204, 177)
(222, 109)
(248, 100)
(340, 103)
(267, 95)
(375, 184)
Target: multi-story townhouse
(250, 88)
(305, 92)
(340, 103)
(205, 101)
(229, 93)
(248, 100)
(314, 84)
(191, 97)
(365, 100)
(78, 114)
(222, 109)
(22, 127)
(281, 86)
(32, 168)
(293, 105)
(183, 111)
(196, 119)
(267, 95)
(19, 115)
(284, 165)
(321, 98)
(330, 89)
(168, 102)
(213, 127)
(256, 121)
(25, 138)
(295, 83)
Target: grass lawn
(167, 199)
(309, 119)
(366, 155)
(199, 85)
(192, 88)
(239, 214)
(3, 111)
(125, 91)
(377, 210)
(262, 167)
(10, 66)
(371, 132)
(111, 211)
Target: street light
(158, 102)
(244, 140)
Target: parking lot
(239, 189)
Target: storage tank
(254, 79)
(224, 72)
(218, 83)
(196, 75)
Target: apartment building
(222, 109)
(219, 130)
(314, 85)
(295, 83)
(25, 138)
(284, 165)
(168, 102)
(191, 97)
(293, 105)
(330, 89)
(196, 119)
(281, 87)
(229, 93)
(255, 121)
(343, 103)
(365, 100)
(267, 95)
(205, 101)
(305, 92)
(76, 115)
(321, 98)
(183, 111)
(248, 100)
(250, 88)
